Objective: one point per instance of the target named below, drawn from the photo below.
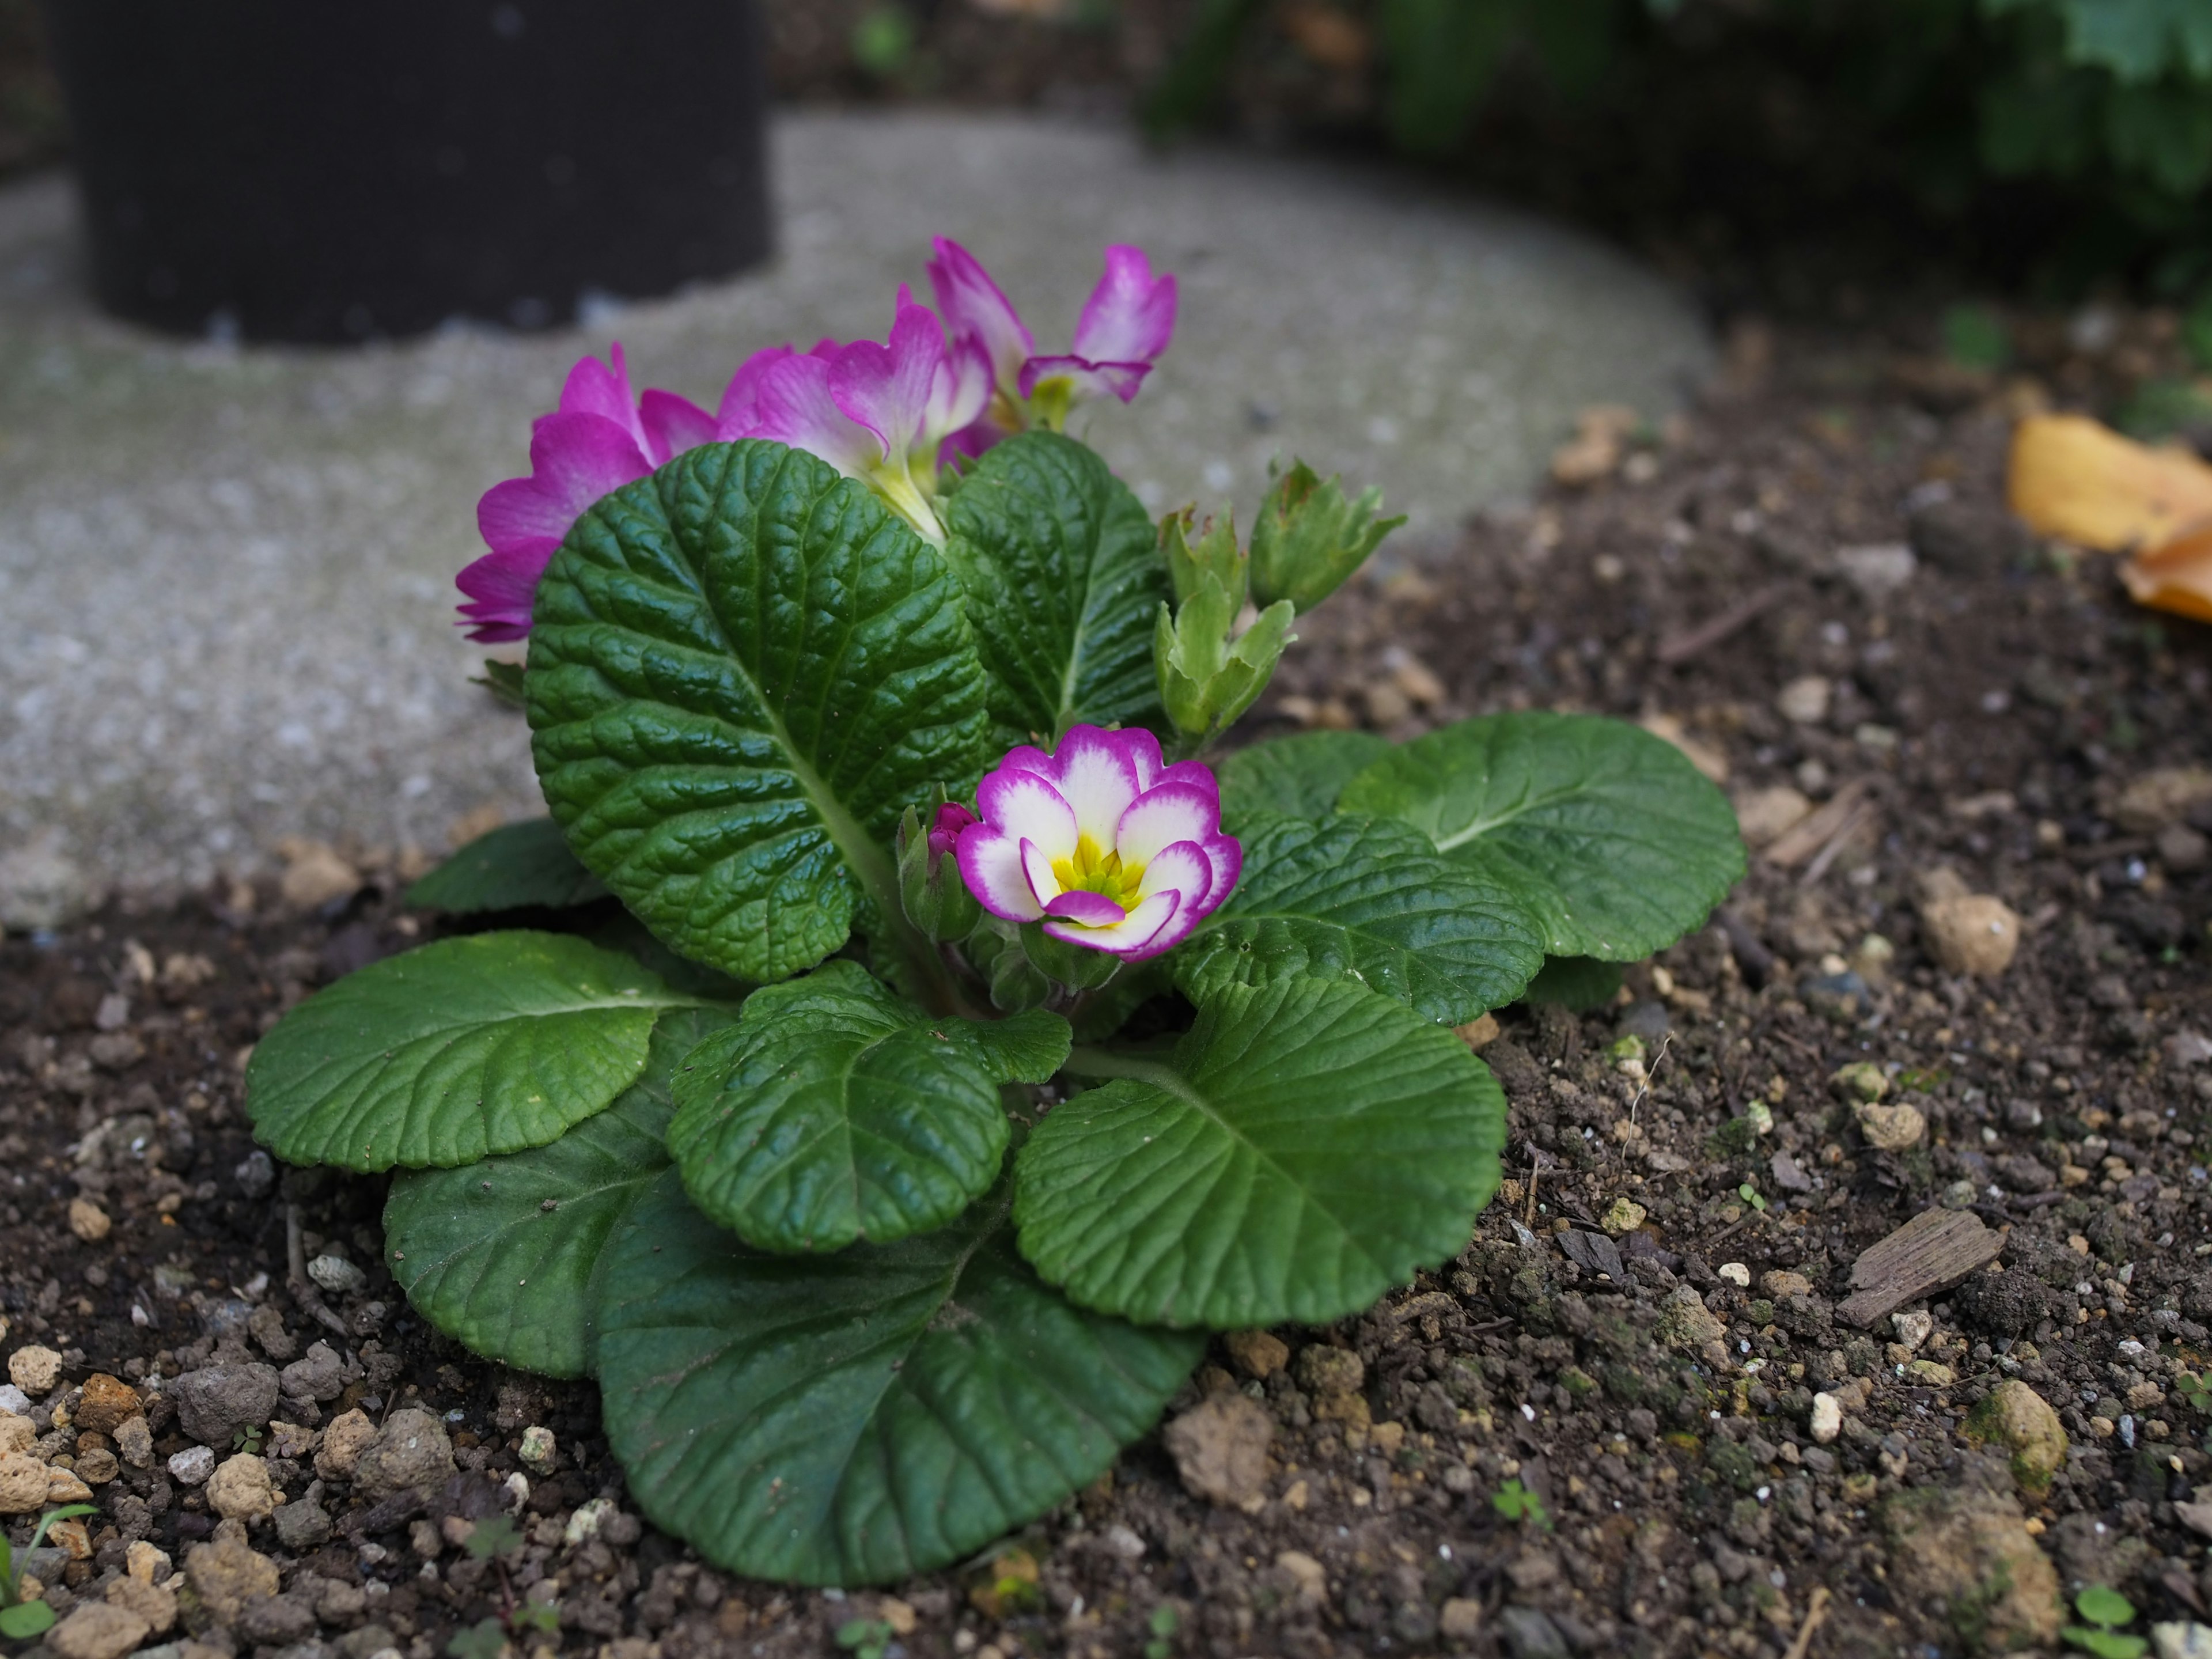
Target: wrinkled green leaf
(516, 867)
(1370, 900)
(855, 1417)
(1577, 983)
(835, 1111)
(1299, 776)
(1064, 574)
(505, 1254)
(1605, 832)
(1309, 1144)
(493, 1043)
(742, 669)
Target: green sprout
(497, 1536)
(482, 1640)
(2107, 1610)
(18, 1619)
(2196, 1392)
(1515, 1502)
(1750, 1194)
(247, 1440)
(1163, 1625)
(868, 1638)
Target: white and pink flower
(1125, 326)
(1102, 843)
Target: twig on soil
(1801, 841)
(1836, 843)
(1814, 1613)
(302, 1288)
(1650, 1075)
(1678, 648)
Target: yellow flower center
(1090, 871)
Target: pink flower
(945, 830)
(597, 441)
(1125, 326)
(878, 413)
(1101, 843)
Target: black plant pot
(324, 170)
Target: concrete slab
(226, 574)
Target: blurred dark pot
(334, 169)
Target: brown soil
(1988, 714)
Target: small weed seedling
(19, 1619)
(1163, 1625)
(2106, 1611)
(1515, 1502)
(867, 1638)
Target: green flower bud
(1309, 539)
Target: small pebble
(1736, 1274)
(193, 1465)
(1828, 1419)
(87, 1220)
(537, 1449)
(335, 1274)
(34, 1370)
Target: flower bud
(935, 899)
(1215, 553)
(1309, 539)
(1207, 678)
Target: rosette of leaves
(870, 1272)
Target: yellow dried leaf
(2176, 577)
(2079, 480)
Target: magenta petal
(738, 409)
(973, 305)
(1226, 855)
(1185, 868)
(673, 425)
(794, 406)
(1088, 379)
(1091, 909)
(958, 395)
(603, 389)
(1130, 317)
(887, 389)
(1164, 815)
(500, 586)
(1136, 936)
(946, 827)
(991, 868)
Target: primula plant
(944, 1044)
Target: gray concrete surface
(226, 574)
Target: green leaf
(493, 1043)
(2101, 1604)
(2106, 1644)
(1370, 900)
(1299, 776)
(1577, 983)
(1064, 575)
(835, 1111)
(26, 1620)
(854, 1418)
(1604, 831)
(741, 670)
(1308, 1146)
(517, 865)
(505, 1254)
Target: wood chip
(1930, 1253)
(1811, 833)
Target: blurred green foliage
(2106, 103)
